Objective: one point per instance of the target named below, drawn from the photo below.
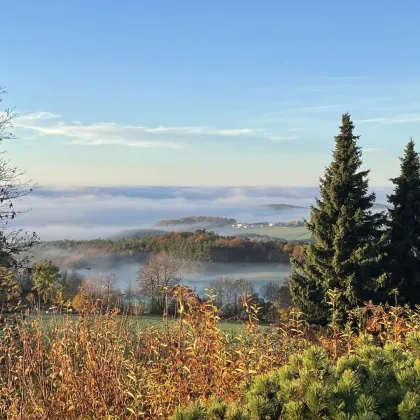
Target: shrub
(373, 383)
(100, 365)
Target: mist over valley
(125, 213)
(102, 212)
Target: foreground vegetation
(102, 366)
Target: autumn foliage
(104, 366)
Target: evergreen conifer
(404, 229)
(345, 255)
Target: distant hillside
(380, 206)
(281, 207)
(137, 233)
(205, 221)
(187, 246)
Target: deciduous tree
(10, 289)
(14, 244)
(156, 276)
(45, 278)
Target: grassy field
(289, 233)
(56, 320)
(225, 326)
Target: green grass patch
(300, 232)
(143, 321)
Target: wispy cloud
(41, 116)
(300, 112)
(346, 78)
(402, 119)
(370, 149)
(46, 123)
(313, 108)
(371, 120)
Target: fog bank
(86, 213)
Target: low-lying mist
(197, 275)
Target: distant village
(293, 223)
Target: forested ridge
(194, 246)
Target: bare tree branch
(12, 242)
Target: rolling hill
(137, 233)
(280, 207)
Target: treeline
(195, 246)
(47, 289)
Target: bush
(373, 383)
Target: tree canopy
(346, 252)
(403, 251)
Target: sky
(193, 93)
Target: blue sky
(235, 93)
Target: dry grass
(104, 366)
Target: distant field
(226, 326)
(299, 232)
(143, 321)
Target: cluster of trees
(231, 294)
(358, 255)
(41, 286)
(194, 246)
(161, 273)
(44, 287)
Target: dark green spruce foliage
(404, 229)
(373, 383)
(346, 252)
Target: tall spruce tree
(404, 229)
(346, 252)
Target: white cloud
(371, 120)
(402, 119)
(41, 116)
(370, 150)
(46, 123)
(143, 144)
